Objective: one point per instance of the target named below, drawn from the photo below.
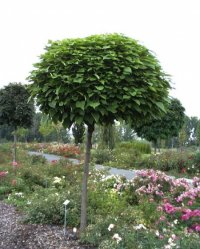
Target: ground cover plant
(153, 210)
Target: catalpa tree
(97, 80)
(167, 126)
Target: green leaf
(161, 106)
(80, 104)
(127, 70)
(79, 120)
(112, 108)
(78, 80)
(99, 87)
(94, 104)
(52, 104)
(133, 93)
(126, 97)
(137, 101)
(97, 76)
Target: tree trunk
(158, 144)
(15, 147)
(172, 142)
(155, 147)
(85, 179)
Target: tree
(46, 126)
(182, 137)
(15, 110)
(107, 136)
(126, 132)
(97, 80)
(198, 133)
(78, 131)
(167, 126)
(22, 133)
(34, 134)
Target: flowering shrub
(181, 162)
(177, 199)
(66, 150)
(152, 210)
(3, 174)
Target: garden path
(129, 174)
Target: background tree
(125, 132)
(22, 133)
(107, 136)
(6, 133)
(198, 134)
(46, 127)
(78, 131)
(15, 110)
(167, 126)
(182, 137)
(34, 134)
(98, 79)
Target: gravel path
(129, 174)
(16, 235)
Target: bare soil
(16, 235)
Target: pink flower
(162, 218)
(190, 203)
(197, 228)
(14, 163)
(159, 208)
(54, 161)
(3, 173)
(173, 236)
(170, 209)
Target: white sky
(170, 28)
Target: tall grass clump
(139, 146)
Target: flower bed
(66, 150)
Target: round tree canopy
(99, 79)
(15, 110)
(167, 126)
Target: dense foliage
(15, 110)
(167, 126)
(98, 79)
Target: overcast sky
(170, 28)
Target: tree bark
(85, 179)
(172, 142)
(155, 147)
(15, 147)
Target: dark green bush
(180, 162)
(139, 146)
(102, 156)
(47, 207)
(35, 159)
